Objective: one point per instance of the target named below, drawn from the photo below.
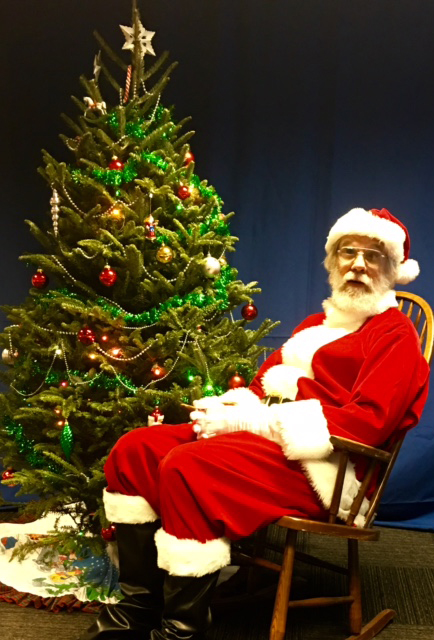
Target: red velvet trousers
(228, 485)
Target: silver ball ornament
(211, 266)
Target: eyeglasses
(372, 257)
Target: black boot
(186, 614)
(141, 583)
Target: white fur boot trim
(128, 509)
(188, 557)
(303, 429)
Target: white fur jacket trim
(322, 477)
(188, 557)
(127, 509)
(302, 428)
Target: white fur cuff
(303, 429)
(241, 395)
(127, 509)
(187, 557)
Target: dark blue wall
(303, 110)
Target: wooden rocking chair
(419, 311)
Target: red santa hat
(381, 225)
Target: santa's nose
(359, 263)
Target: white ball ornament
(211, 266)
(9, 357)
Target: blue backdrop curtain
(303, 110)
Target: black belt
(275, 400)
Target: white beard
(364, 300)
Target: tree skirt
(59, 581)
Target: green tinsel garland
(25, 446)
(199, 300)
(135, 129)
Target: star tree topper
(145, 38)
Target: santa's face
(360, 274)
(360, 264)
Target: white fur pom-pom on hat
(382, 225)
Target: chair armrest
(344, 444)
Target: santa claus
(179, 494)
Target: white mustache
(359, 277)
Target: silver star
(145, 38)
(97, 65)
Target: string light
(115, 352)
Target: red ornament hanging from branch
(86, 336)
(158, 372)
(183, 192)
(189, 157)
(249, 312)
(116, 164)
(109, 534)
(108, 276)
(40, 279)
(8, 474)
(236, 382)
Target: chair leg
(280, 613)
(258, 551)
(355, 587)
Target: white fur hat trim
(364, 223)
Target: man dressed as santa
(180, 493)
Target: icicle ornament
(54, 202)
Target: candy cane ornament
(128, 84)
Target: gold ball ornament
(9, 357)
(165, 254)
(195, 193)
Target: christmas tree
(129, 318)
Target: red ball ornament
(236, 382)
(116, 164)
(86, 336)
(8, 474)
(249, 312)
(40, 279)
(64, 384)
(158, 372)
(109, 534)
(183, 192)
(189, 157)
(108, 276)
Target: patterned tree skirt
(54, 581)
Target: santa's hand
(208, 402)
(214, 421)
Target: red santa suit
(349, 375)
